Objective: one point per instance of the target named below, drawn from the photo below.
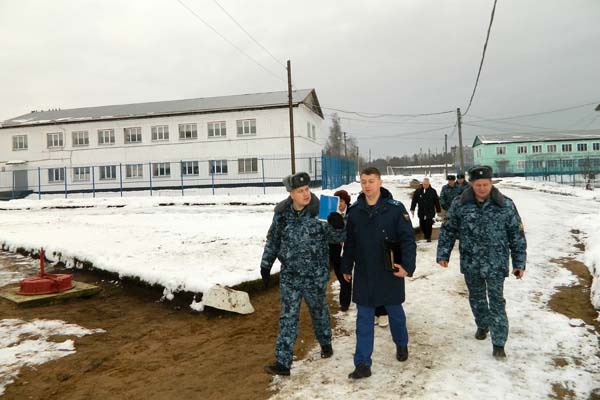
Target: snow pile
(28, 343)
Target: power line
(403, 134)
(541, 113)
(482, 58)
(479, 119)
(249, 35)
(391, 122)
(375, 115)
(506, 130)
(228, 41)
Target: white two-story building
(228, 140)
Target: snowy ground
(186, 246)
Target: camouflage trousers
(486, 297)
(291, 298)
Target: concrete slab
(79, 289)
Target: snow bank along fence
(255, 174)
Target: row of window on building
(133, 135)
(582, 163)
(550, 148)
(158, 170)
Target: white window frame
(190, 168)
(582, 147)
(188, 131)
(161, 170)
(107, 172)
(246, 127)
(55, 140)
(566, 147)
(550, 148)
(160, 133)
(19, 142)
(217, 129)
(56, 175)
(132, 135)
(218, 167)
(596, 146)
(520, 164)
(134, 171)
(500, 150)
(81, 174)
(248, 165)
(536, 148)
(104, 134)
(522, 149)
(308, 130)
(80, 138)
(314, 132)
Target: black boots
(499, 352)
(361, 371)
(481, 333)
(277, 369)
(401, 353)
(326, 351)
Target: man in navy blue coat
(374, 219)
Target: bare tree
(335, 141)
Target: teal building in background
(546, 155)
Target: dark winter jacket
(487, 233)
(300, 241)
(367, 229)
(428, 202)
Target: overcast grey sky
(394, 57)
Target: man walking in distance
(301, 243)
(429, 204)
(488, 227)
(374, 219)
(449, 192)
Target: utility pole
(369, 156)
(291, 108)
(357, 161)
(345, 150)
(446, 154)
(460, 144)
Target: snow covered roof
(165, 108)
(537, 137)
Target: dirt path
(153, 350)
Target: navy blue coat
(364, 249)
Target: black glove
(336, 220)
(266, 276)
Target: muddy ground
(154, 350)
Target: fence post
(39, 183)
(150, 176)
(262, 161)
(65, 176)
(93, 182)
(121, 178)
(212, 176)
(181, 175)
(13, 185)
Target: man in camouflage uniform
(300, 241)
(461, 183)
(449, 192)
(488, 227)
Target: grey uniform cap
(295, 181)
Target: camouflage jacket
(487, 233)
(461, 188)
(300, 241)
(448, 194)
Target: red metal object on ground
(44, 283)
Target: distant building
(163, 144)
(539, 154)
(467, 156)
